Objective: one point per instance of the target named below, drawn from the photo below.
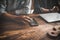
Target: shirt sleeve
(2, 9)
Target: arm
(6, 14)
(54, 9)
(44, 10)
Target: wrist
(50, 10)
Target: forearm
(7, 15)
(54, 9)
(45, 10)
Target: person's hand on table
(25, 18)
(55, 9)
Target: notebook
(51, 17)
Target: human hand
(55, 9)
(25, 18)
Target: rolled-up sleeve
(2, 9)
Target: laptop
(51, 17)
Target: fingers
(55, 9)
(27, 18)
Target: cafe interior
(29, 19)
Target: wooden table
(12, 31)
(11, 24)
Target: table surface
(13, 31)
(11, 24)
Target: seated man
(9, 6)
(39, 9)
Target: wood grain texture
(11, 30)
